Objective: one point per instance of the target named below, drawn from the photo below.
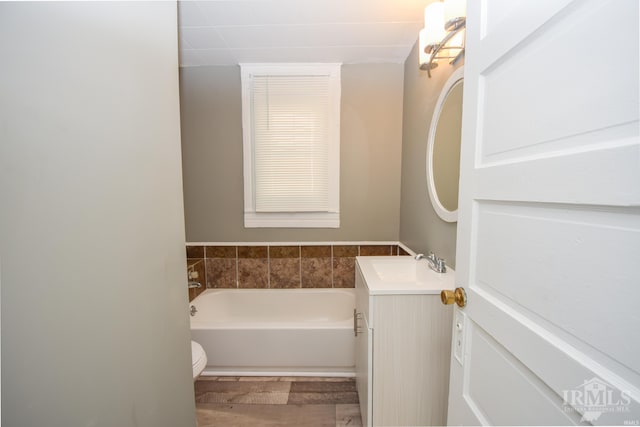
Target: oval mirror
(443, 149)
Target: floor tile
(322, 387)
(348, 415)
(217, 378)
(207, 378)
(322, 398)
(272, 393)
(277, 401)
(271, 398)
(243, 386)
(239, 415)
(229, 378)
(318, 379)
(243, 379)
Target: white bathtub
(276, 331)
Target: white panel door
(549, 229)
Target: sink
(403, 269)
(403, 274)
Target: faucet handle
(442, 267)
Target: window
(291, 145)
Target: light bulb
(423, 57)
(433, 24)
(454, 12)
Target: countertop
(391, 275)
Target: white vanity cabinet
(364, 349)
(403, 345)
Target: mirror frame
(443, 213)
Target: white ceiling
(226, 32)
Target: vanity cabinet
(403, 346)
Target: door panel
(554, 64)
(544, 176)
(549, 226)
(518, 18)
(564, 241)
(510, 379)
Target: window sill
(292, 220)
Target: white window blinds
(291, 144)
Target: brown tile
(284, 273)
(344, 272)
(193, 261)
(241, 415)
(197, 267)
(252, 252)
(220, 251)
(198, 291)
(315, 251)
(341, 251)
(322, 386)
(195, 251)
(338, 397)
(221, 273)
(394, 250)
(402, 251)
(375, 250)
(316, 273)
(253, 273)
(284, 251)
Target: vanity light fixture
(443, 34)
(454, 13)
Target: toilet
(199, 359)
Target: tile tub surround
(283, 266)
(282, 401)
(316, 267)
(196, 265)
(344, 265)
(220, 266)
(253, 267)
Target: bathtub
(281, 332)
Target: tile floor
(277, 401)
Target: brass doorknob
(459, 296)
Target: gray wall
(371, 132)
(420, 227)
(94, 305)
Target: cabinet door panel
(411, 360)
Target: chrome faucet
(436, 264)
(192, 275)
